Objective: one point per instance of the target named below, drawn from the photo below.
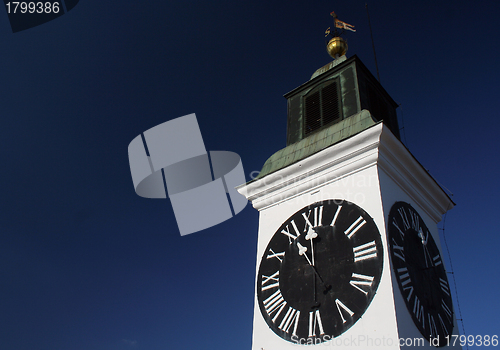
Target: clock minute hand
(311, 234)
(302, 251)
(425, 239)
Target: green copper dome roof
(317, 142)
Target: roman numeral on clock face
(291, 317)
(418, 311)
(397, 250)
(444, 286)
(404, 277)
(415, 222)
(272, 281)
(317, 217)
(404, 218)
(446, 309)
(334, 220)
(361, 282)
(274, 303)
(365, 251)
(396, 225)
(355, 227)
(291, 237)
(341, 305)
(437, 260)
(275, 255)
(315, 320)
(432, 325)
(443, 326)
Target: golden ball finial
(336, 47)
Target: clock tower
(348, 249)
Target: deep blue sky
(87, 264)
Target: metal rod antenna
(373, 43)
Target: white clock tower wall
(402, 178)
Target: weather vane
(337, 46)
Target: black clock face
(420, 273)
(320, 272)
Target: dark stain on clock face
(320, 272)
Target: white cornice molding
(333, 163)
(401, 166)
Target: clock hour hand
(302, 251)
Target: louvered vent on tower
(313, 112)
(322, 106)
(330, 101)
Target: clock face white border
(320, 272)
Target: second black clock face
(320, 272)
(420, 273)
